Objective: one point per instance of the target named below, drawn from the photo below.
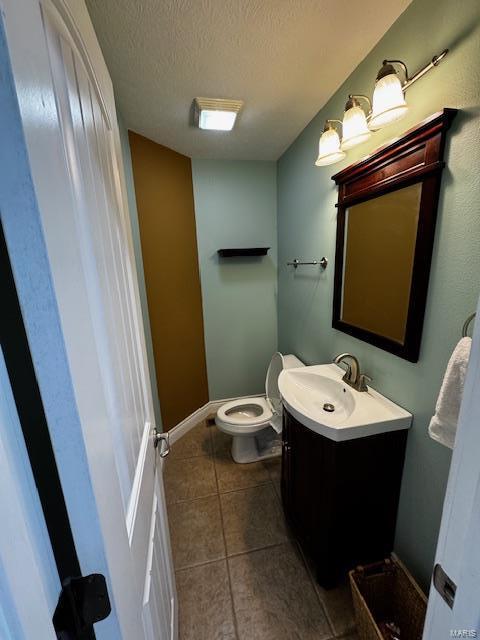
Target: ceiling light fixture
(387, 106)
(329, 150)
(216, 114)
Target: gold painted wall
(166, 215)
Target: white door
(26, 606)
(68, 114)
(458, 549)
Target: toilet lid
(275, 368)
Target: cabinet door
(302, 487)
(285, 479)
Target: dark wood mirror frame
(416, 157)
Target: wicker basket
(385, 592)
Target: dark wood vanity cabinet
(341, 498)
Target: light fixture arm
(332, 120)
(421, 72)
(400, 63)
(360, 96)
(329, 124)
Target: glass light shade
(329, 148)
(355, 127)
(388, 102)
(217, 120)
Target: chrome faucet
(353, 377)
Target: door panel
(92, 270)
(96, 250)
(157, 593)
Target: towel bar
(295, 262)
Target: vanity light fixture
(354, 126)
(216, 114)
(389, 104)
(329, 150)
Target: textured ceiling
(284, 58)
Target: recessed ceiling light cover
(216, 114)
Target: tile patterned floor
(240, 575)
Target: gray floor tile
(252, 519)
(339, 608)
(196, 532)
(274, 597)
(189, 479)
(205, 606)
(230, 475)
(197, 442)
(222, 444)
(274, 468)
(337, 603)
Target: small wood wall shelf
(252, 251)
(416, 157)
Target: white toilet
(255, 423)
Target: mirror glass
(379, 248)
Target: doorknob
(163, 440)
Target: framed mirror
(387, 205)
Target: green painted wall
(235, 206)
(132, 206)
(307, 225)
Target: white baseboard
(183, 427)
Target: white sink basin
(310, 393)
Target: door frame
(458, 551)
(29, 581)
(33, 429)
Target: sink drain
(328, 407)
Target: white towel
(443, 425)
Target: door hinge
(444, 585)
(82, 602)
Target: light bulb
(217, 120)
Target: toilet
(254, 423)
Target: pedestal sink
(320, 400)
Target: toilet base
(247, 449)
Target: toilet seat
(248, 415)
(244, 415)
(252, 421)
